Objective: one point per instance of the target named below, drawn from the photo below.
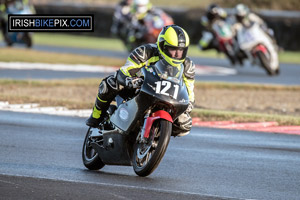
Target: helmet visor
(177, 53)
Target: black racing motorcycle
(137, 130)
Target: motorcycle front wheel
(147, 156)
(266, 63)
(90, 157)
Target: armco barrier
(286, 25)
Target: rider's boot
(107, 92)
(182, 125)
(98, 114)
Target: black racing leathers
(144, 55)
(147, 55)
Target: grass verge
(80, 94)
(216, 115)
(245, 86)
(29, 55)
(90, 42)
(113, 44)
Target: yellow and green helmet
(173, 36)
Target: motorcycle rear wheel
(27, 39)
(147, 156)
(90, 157)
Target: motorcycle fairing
(178, 105)
(114, 150)
(125, 114)
(129, 112)
(250, 37)
(261, 48)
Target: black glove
(134, 82)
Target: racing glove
(133, 82)
(190, 107)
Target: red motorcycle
(227, 42)
(147, 30)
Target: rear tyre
(147, 156)
(230, 58)
(229, 53)
(28, 40)
(90, 157)
(8, 41)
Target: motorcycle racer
(245, 17)
(2, 17)
(121, 19)
(213, 13)
(172, 46)
(139, 29)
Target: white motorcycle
(258, 47)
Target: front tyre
(265, 63)
(147, 156)
(90, 157)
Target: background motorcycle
(227, 42)
(138, 131)
(258, 47)
(222, 38)
(10, 38)
(147, 30)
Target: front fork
(141, 135)
(148, 121)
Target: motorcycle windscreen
(169, 72)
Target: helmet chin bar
(176, 62)
(171, 61)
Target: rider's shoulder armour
(189, 68)
(143, 53)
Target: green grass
(290, 57)
(113, 44)
(116, 45)
(202, 85)
(245, 86)
(29, 55)
(216, 115)
(78, 41)
(31, 94)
